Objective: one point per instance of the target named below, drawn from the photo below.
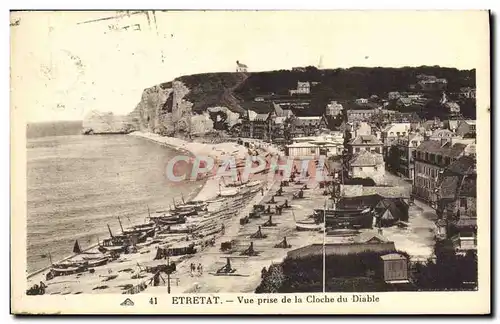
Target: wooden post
(168, 271)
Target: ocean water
(78, 184)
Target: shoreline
(150, 137)
(207, 191)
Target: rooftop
(393, 256)
(448, 150)
(365, 139)
(367, 237)
(366, 158)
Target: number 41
(153, 301)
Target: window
(377, 149)
(360, 169)
(358, 149)
(404, 133)
(397, 133)
(463, 202)
(413, 154)
(313, 150)
(426, 156)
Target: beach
(265, 235)
(131, 263)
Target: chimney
(444, 141)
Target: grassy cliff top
(238, 90)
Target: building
(400, 158)
(451, 124)
(466, 127)
(302, 88)
(395, 268)
(394, 95)
(366, 164)
(354, 115)
(431, 158)
(333, 109)
(369, 242)
(457, 199)
(468, 92)
(404, 102)
(255, 125)
(330, 123)
(431, 83)
(314, 148)
(368, 143)
(361, 101)
(452, 107)
(240, 67)
(305, 126)
(391, 133)
(442, 134)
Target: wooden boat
(112, 248)
(345, 218)
(98, 262)
(184, 248)
(171, 221)
(198, 205)
(308, 226)
(229, 193)
(252, 184)
(56, 272)
(177, 228)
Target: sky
(62, 68)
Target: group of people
(196, 270)
(37, 289)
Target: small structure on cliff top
(240, 67)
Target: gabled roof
(365, 158)
(470, 122)
(392, 256)
(366, 237)
(463, 165)
(261, 117)
(448, 150)
(397, 208)
(458, 179)
(365, 139)
(405, 101)
(360, 201)
(307, 121)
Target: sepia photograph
(186, 153)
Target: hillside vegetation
(212, 90)
(169, 107)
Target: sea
(77, 185)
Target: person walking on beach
(200, 269)
(193, 269)
(42, 288)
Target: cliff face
(97, 122)
(214, 101)
(175, 109)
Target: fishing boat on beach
(345, 217)
(308, 226)
(56, 272)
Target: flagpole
(324, 251)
